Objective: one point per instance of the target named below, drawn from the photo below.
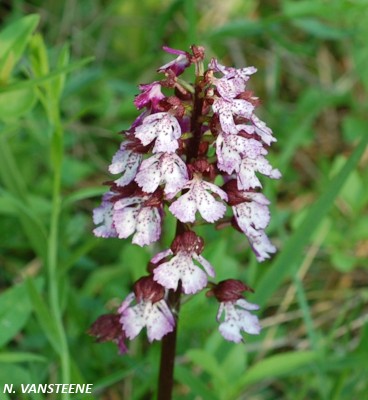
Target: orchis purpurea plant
(194, 154)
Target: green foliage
(67, 79)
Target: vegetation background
(68, 73)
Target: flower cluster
(194, 154)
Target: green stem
(168, 350)
(52, 258)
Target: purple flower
(103, 217)
(252, 217)
(262, 130)
(150, 97)
(197, 198)
(178, 65)
(106, 328)
(237, 318)
(230, 72)
(234, 80)
(151, 311)
(247, 172)
(168, 160)
(231, 149)
(125, 161)
(227, 109)
(136, 215)
(186, 249)
(163, 127)
(167, 168)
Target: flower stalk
(168, 350)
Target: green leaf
(43, 315)
(15, 310)
(101, 278)
(17, 192)
(13, 374)
(37, 81)
(320, 30)
(273, 367)
(15, 104)
(242, 28)
(38, 56)
(353, 127)
(207, 362)
(287, 261)
(59, 82)
(14, 38)
(82, 194)
(234, 362)
(31, 224)
(21, 357)
(196, 385)
(297, 9)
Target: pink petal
(263, 130)
(103, 216)
(261, 245)
(181, 267)
(125, 162)
(205, 264)
(126, 303)
(246, 305)
(175, 174)
(148, 226)
(151, 94)
(125, 221)
(224, 109)
(246, 176)
(160, 256)
(184, 208)
(133, 320)
(210, 209)
(149, 175)
(252, 214)
(160, 321)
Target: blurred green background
(68, 73)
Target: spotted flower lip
(247, 172)
(156, 317)
(237, 318)
(163, 168)
(230, 72)
(151, 311)
(252, 217)
(181, 267)
(227, 109)
(163, 127)
(131, 216)
(125, 162)
(232, 149)
(262, 130)
(198, 199)
(103, 217)
(233, 81)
